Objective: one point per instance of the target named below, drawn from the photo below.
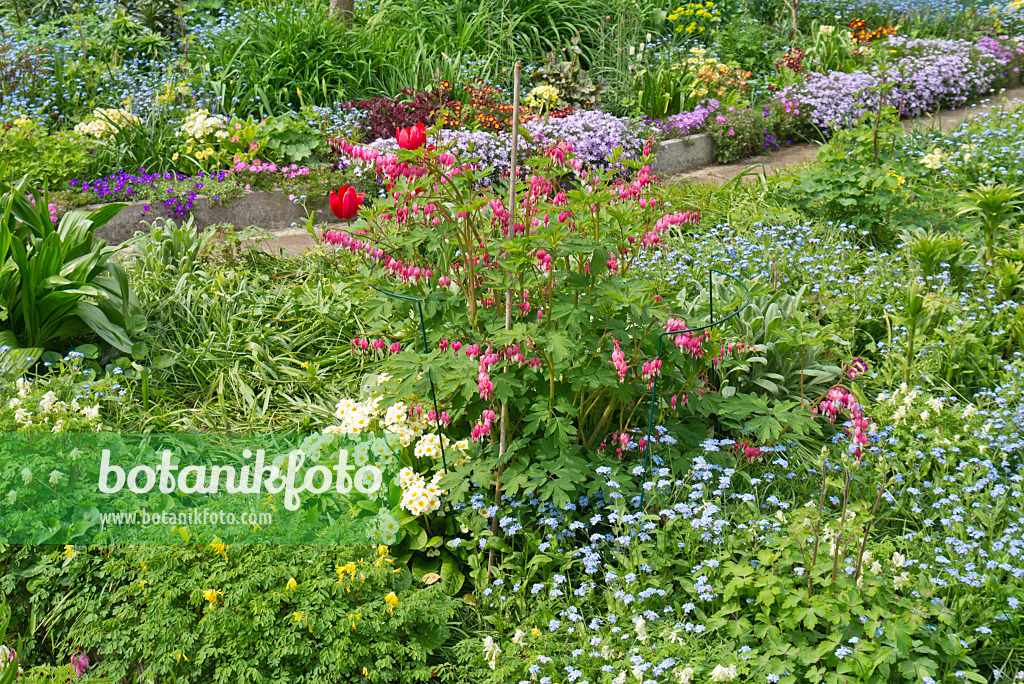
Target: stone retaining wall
(273, 211)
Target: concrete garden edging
(684, 154)
(271, 211)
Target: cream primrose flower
(395, 416)
(201, 123)
(933, 160)
(105, 122)
(462, 451)
(429, 446)
(407, 477)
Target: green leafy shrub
(60, 282)
(238, 614)
(50, 159)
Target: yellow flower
(143, 583)
(291, 584)
(177, 658)
(366, 673)
(392, 600)
(298, 617)
(220, 548)
(69, 550)
(211, 596)
(355, 617)
(535, 632)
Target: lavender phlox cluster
(594, 136)
(928, 74)
(686, 123)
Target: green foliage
(43, 159)
(852, 189)
(151, 143)
(748, 43)
(830, 48)
(288, 139)
(783, 353)
(661, 85)
(243, 337)
(59, 282)
(189, 612)
(995, 205)
(937, 252)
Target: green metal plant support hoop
(661, 337)
(433, 391)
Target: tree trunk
(343, 11)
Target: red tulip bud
(411, 138)
(345, 202)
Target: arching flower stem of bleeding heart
(503, 426)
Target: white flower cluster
(104, 122)
(398, 422)
(419, 496)
(50, 411)
(491, 652)
(201, 123)
(724, 674)
(904, 400)
(356, 417)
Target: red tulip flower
(345, 202)
(411, 138)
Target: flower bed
(924, 76)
